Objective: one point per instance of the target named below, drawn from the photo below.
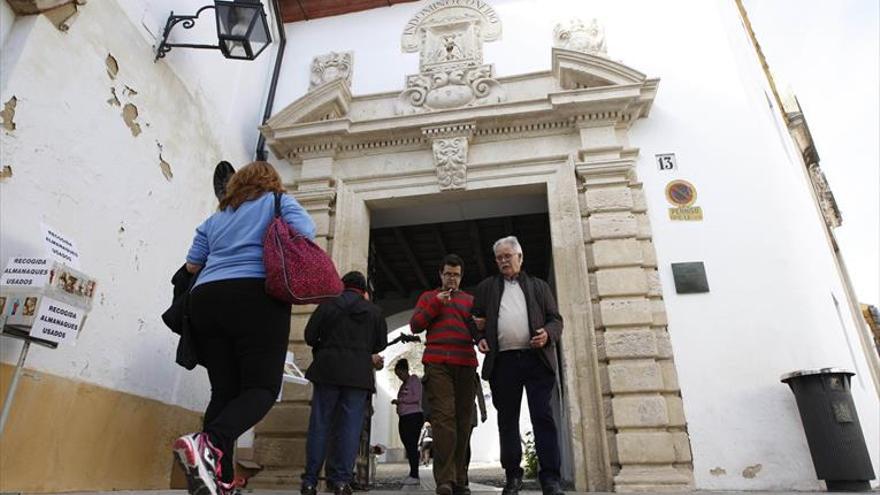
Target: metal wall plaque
(690, 278)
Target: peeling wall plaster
(8, 114)
(129, 116)
(750, 472)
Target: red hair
(251, 182)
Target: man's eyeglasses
(451, 275)
(504, 257)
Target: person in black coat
(522, 327)
(345, 335)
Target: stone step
(292, 392)
(285, 419)
(279, 452)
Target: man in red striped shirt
(450, 361)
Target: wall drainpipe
(270, 100)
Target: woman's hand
(193, 268)
(483, 346)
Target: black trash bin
(831, 424)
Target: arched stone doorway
(563, 133)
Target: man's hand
(480, 323)
(540, 339)
(378, 361)
(444, 296)
(483, 346)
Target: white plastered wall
(77, 166)
(7, 18)
(770, 269)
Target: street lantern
(242, 29)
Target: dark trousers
(450, 393)
(337, 415)
(409, 427)
(515, 370)
(240, 335)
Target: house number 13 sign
(666, 162)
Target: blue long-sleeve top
(229, 244)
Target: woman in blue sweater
(240, 332)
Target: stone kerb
(646, 428)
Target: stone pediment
(454, 85)
(326, 102)
(578, 70)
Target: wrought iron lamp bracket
(187, 21)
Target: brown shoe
(444, 489)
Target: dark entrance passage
(404, 259)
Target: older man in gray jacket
(521, 325)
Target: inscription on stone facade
(446, 11)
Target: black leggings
(240, 335)
(409, 427)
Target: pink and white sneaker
(201, 462)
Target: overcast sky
(829, 53)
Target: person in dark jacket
(344, 334)
(522, 327)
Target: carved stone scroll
(329, 67)
(577, 36)
(450, 157)
(449, 147)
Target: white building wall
(770, 269)
(769, 265)
(7, 17)
(78, 167)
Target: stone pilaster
(646, 429)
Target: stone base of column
(653, 479)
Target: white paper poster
(26, 272)
(59, 246)
(57, 322)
